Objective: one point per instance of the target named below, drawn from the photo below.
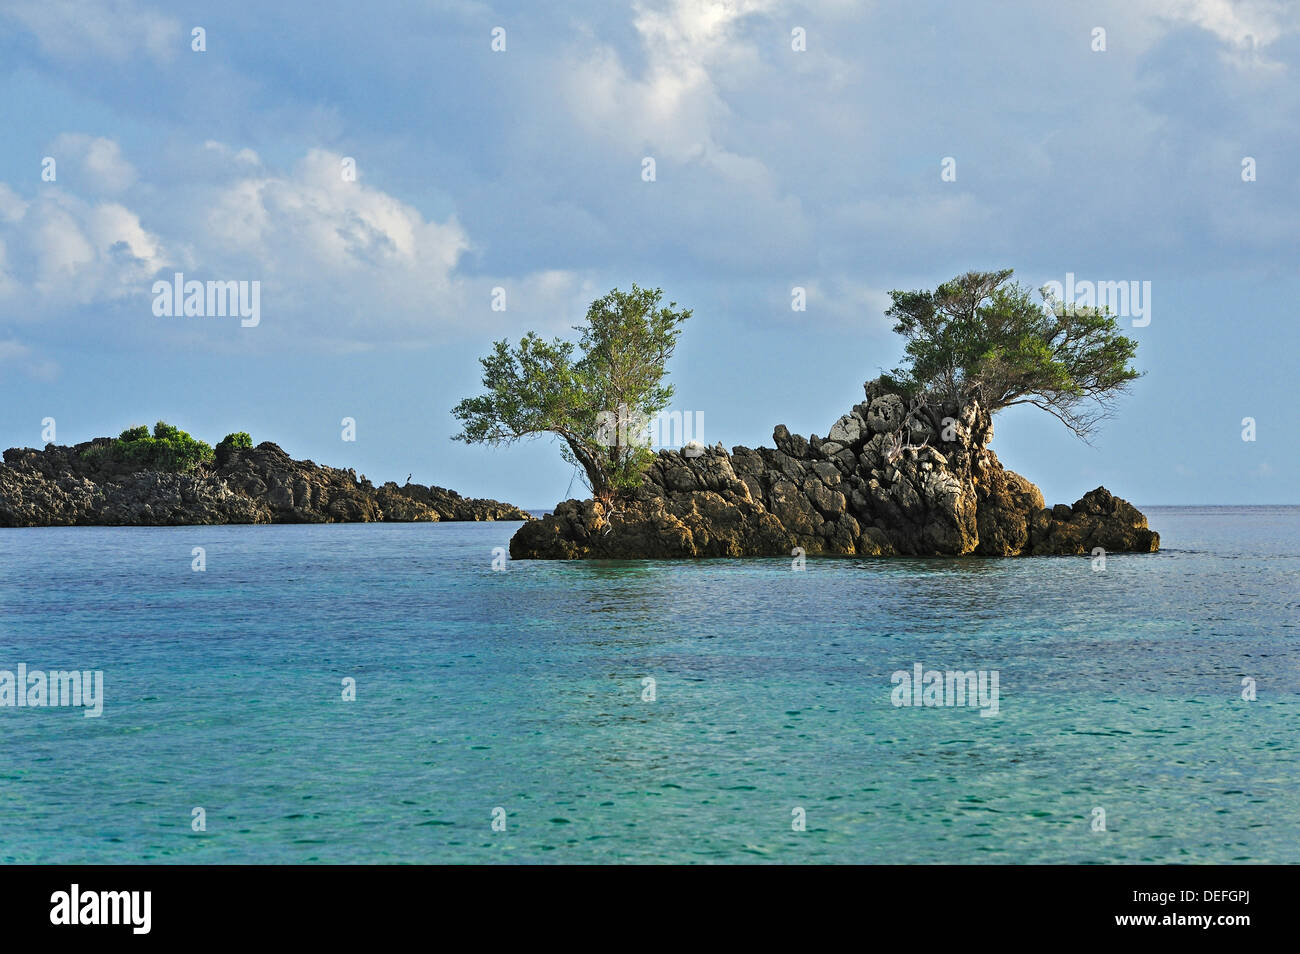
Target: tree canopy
(593, 394)
(981, 336)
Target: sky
(841, 148)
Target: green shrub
(95, 453)
(237, 441)
(169, 448)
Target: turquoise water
(522, 689)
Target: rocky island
(893, 477)
(96, 484)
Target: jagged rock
(1097, 520)
(790, 444)
(723, 522)
(885, 413)
(845, 495)
(63, 486)
(847, 430)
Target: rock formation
(892, 478)
(62, 486)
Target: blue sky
(522, 169)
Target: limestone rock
(846, 495)
(885, 414)
(847, 430)
(63, 486)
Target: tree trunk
(590, 464)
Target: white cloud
(342, 264)
(675, 107)
(1245, 23)
(58, 241)
(115, 30)
(7, 285)
(62, 251)
(1245, 27)
(366, 262)
(94, 162)
(231, 158)
(12, 206)
(850, 303)
(59, 250)
(15, 354)
(330, 223)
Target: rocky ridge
(63, 486)
(892, 477)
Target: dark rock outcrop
(64, 486)
(891, 478)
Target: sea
(404, 693)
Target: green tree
(594, 395)
(980, 336)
